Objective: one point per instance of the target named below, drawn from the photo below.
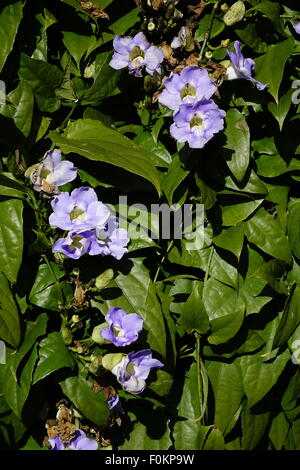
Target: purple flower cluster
(196, 117)
(131, 369)
(92, 229)
(241, 67)
(137, 54)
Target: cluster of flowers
(188, 93)
(131, 370)
(79, 442)
(91, 227)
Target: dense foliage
(210, 358)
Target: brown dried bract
(197, 9)
(79, 295)
(94, 10)
(156, 4)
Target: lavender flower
(180, 40)
(241, 67)
(197, 123)
(51, 173)
(75, 245)
(136, 53)
(79, 442)
(123, 328)
(296, 27)
(115, 407)
(191, 85)
(78, 211)
(133, 370)
(111, 240)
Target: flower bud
(66, 335)
(95, 364)
(75, 318)
(208, 54)
(96, 336)
(224, 7)
(235, 13)
(104, 279)
(151, 25)
(109, 361)
(225, 42)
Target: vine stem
(53, 276)
(199, 384)
(207, 34)
(162, 260)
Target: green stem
(54, 277)
(207, 34)
(199, 383)
(64, 123)
(162, 260)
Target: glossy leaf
(10, 18)
(94, 141)
(11, 237)
(9, 317)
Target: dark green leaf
(10, 18)
(9, 318)
(11, 237)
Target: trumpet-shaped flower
(196, 124)
(136, 53)
(78, 211)
(187, 87)
(241, 67)
(123, 328)
(51, 172)
(133, 370)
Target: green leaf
(215, 440)
(259, 377)
(92, 405)
(231, 239)
(16, 391)
(11, 237)
(139, 438)
(290, 318)
(281, 110)
(226, 327)
(272, 10)
(227, 384)
(53, 355)
(158, 154)
(79, 45)
(219, 299)
(279, 430)
(208, 195)
(46, 292)
(238, 140)
(265, 232)
(19, 107)
(33, 331)
(273, 272)
(93, 140)
(105, 82)
(43, 78)
(190, 434)
(293, 226)
(265, 70)
(234, 213)
(11, 187)
(194, 316)
(9, 318)
(253, 428)
(10, 18)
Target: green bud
(75, 272)
(224, 7)
(235, 13)
(75, 318)
(95, 364)
(66, 335)
(104, 279)
(169, 11)
(151, 25)
(31, 169)
(225, 42)
(109, 361)
(208, 54)
(96, 337)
